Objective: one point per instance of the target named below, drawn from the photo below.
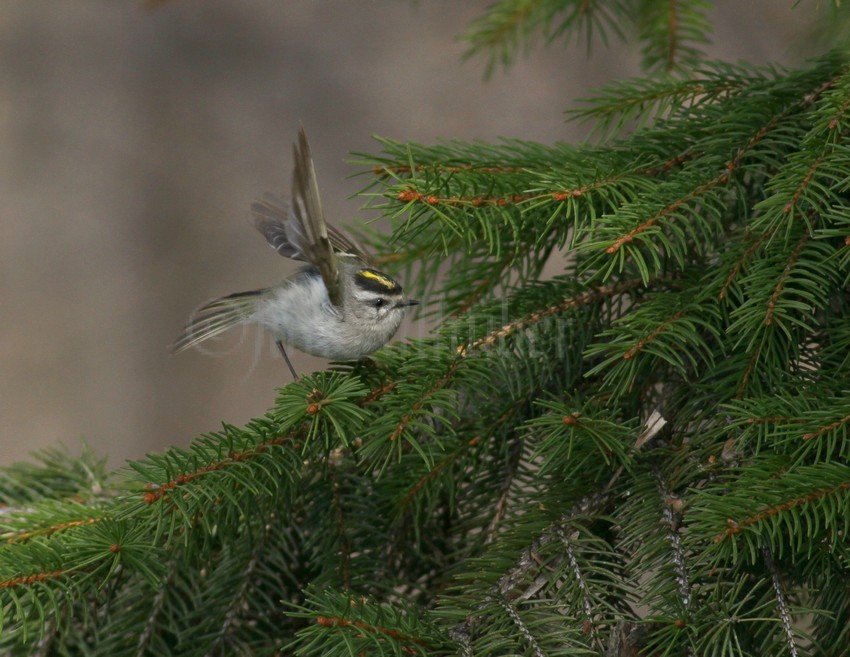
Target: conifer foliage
(644, 455)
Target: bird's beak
(408, 302)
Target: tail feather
(216, 317)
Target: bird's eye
(378, 303)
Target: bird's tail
(216, 317)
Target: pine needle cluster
(646, 454)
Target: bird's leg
(286, 358)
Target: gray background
(133, 142)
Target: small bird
(338, 306)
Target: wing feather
(309, 232)
(271, 217)
(298, 230)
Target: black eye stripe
(375, 281)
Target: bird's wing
(272, 213)
(298, 230)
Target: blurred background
(132, 142)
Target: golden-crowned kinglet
(337, 307)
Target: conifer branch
(511, 21)
(667, 210)
(460, 635)
(512, 467)
(413, 196)
(401, 169)
(745, 257)
(236, 604)
(527, 560)
(157, 492)
(825, 429)
(34, 578)
(505, 494)
(586, 605)
(590, 296)
(410, 195)
(722, 178)
(805, 182)
(52, 529)
(737, 526)
(780, 283)
(781, 602)
(444, 380)
(335, 621)
(342, 530)
(672, 518)
(672, 33)
(157, 604)
(505, 588)
(438, 467)
(523, 628)
(641, 344)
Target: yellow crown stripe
(380, 278)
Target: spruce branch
(781, 603)
(671, 32)
(768, 499)
(157, 604)
(645, 454)
(672, 518)
(633, 104)
(521, 626)
(587, 606)
(509, 25)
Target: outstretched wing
(298, 230)
(271, 215)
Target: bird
(338, 306)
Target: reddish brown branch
(780, 284)
(673, 32)
(731, 166)
(442, 168)
(25, 580)
(157, 492)
(737, 527)
(640, 345)
(439, 384)
(807, 179)
(839, 115)
(532, 318)
(52, 529)
(742, 261)
(748, 371)
(336, 621)
(676, 160)
(770, 420)
(377, 393)
(433, 472)
(666, 210)
(830, 427)
(412, 196)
